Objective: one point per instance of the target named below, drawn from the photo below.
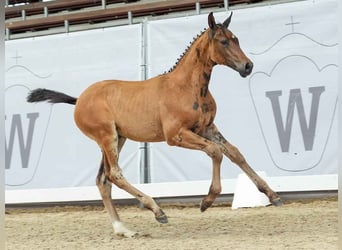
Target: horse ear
(227, 21)
(211, 21)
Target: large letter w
(25, 148)
(295, 100)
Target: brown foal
(176, 107)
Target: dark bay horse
(176, 107)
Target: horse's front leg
(235, 156)
(188, 139)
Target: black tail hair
(41, 95)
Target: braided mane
(186, 51)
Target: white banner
(44, 148)
(283, 116)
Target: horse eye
(224, 43)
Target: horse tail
(41, 95)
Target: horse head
(224, 47)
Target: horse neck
(195, 67)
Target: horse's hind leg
(105, 188)
(112, 172)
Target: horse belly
(138, 120)
(140, 130)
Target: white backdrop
(55, 152)
(294, 50)
(293, 47)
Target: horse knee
(214, 152)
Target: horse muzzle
(246, 69)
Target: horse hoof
(203, 206)
(162, 218)
(128, 234)
(121, 231)
(277, 202)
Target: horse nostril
(249, 67)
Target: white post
(66, 26)
(226, 4)
(339, 20)
(8, 33)
(104, 4)
(23, 14)
(2, 128)
(46, 11)
(198, 8)
(130, 17)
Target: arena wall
(283, 117)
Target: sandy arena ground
(297, 225)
